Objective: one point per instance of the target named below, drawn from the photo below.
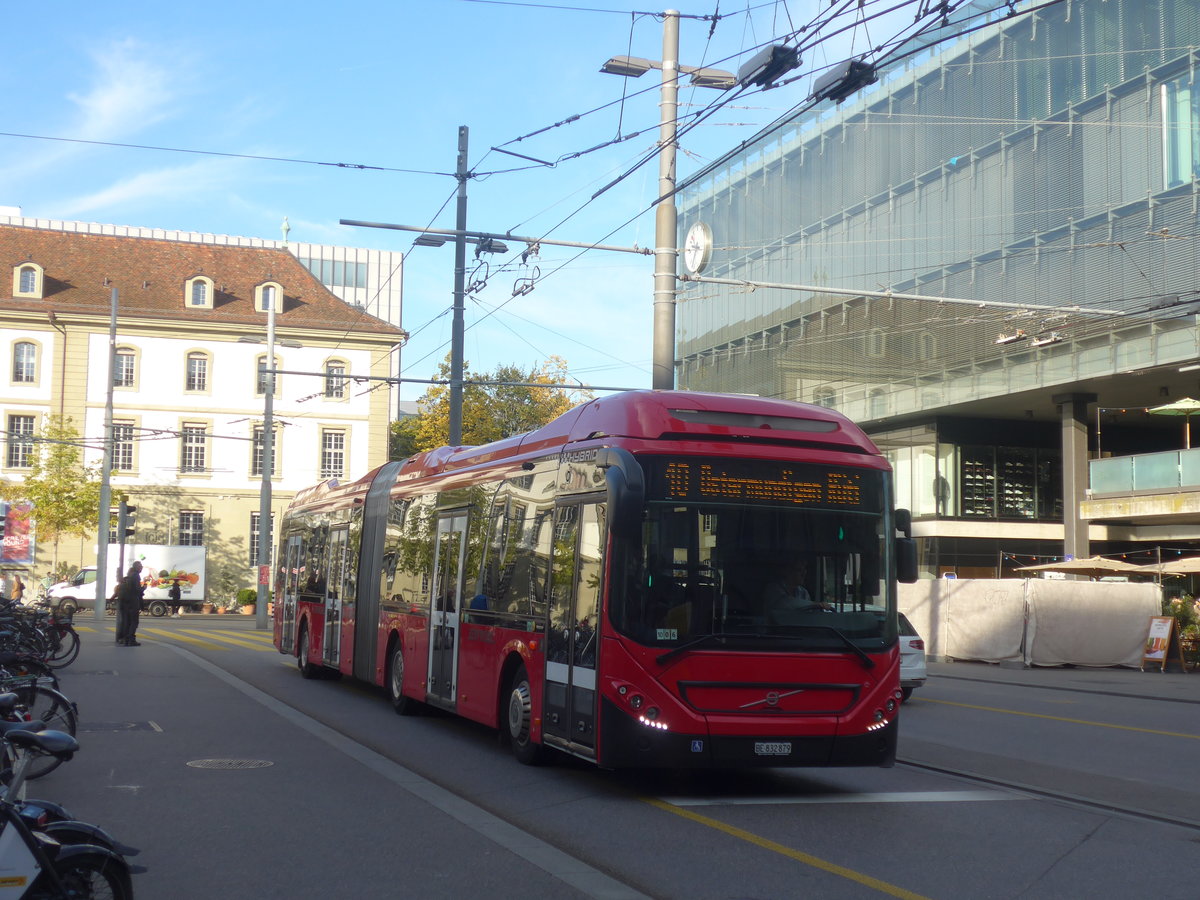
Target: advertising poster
(16, 544)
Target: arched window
(335, 379)
(879, 403)
(27, 280)
(825, 397)
(268, 295)
(260, 383)
(196, 372)
(198, 293)
(125, 368)
(24, 370)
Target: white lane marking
(888, 797)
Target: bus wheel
(404, 706)
(520, 719)
(307, 669)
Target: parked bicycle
(36, 864)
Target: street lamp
(268, 468)
(666, 250)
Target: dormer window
(27, 280)
(267, 296)
(198, 293)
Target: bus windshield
(758, 554)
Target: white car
(912, 658)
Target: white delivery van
(161, 565)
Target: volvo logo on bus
(771, 699)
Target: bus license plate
(772, 748)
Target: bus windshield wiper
(694, 642)
(863, 658)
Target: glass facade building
(1017, 205)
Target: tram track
(1067, 798)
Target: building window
(267, 296)
(24, 363)
(876, 342)
(191, 529)
(122, 457)
(825, 397)
(198, 293)
(337, 273)
(335, 380)
(27, 280)
(257, 462)
(878, 403)
(1181, 131)
(255, 518)
(260, 386)
(193, 449)
(125, 369)
(196, 378)
(333, 454)
(20, 442)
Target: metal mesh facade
(1040, 174)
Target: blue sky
(387, 84)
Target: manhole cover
(230, 763)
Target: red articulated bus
(653, 579)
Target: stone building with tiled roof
(188, 379)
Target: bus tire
(307, 669)
(519, 720)
(401, 705)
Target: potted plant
(207, 607)
(247, 598)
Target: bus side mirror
(626, 490)
(906, 548)
(906, 560)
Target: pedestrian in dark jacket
(176, 596)
(129, 605)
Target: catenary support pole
(666, 251)
(268, 471)
(106, 469)
(460, 275)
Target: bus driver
(786, 595)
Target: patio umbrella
(1187, 407)
(1093, 566)
(1188, 565)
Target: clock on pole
(697, 248)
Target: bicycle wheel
(53, 708)
(64, 647)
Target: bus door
(573, 641)
(449, 556)
(335, 594)
(293, 554)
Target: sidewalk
(1151, 683)
(230, 793)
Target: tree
(64, 493)
(500, 407)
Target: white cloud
(130, 90)
(162, 185)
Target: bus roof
(656, 415)
(632, 415)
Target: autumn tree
(495, 405)
(64, 493)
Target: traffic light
(125, 521)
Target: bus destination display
(764, 481)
